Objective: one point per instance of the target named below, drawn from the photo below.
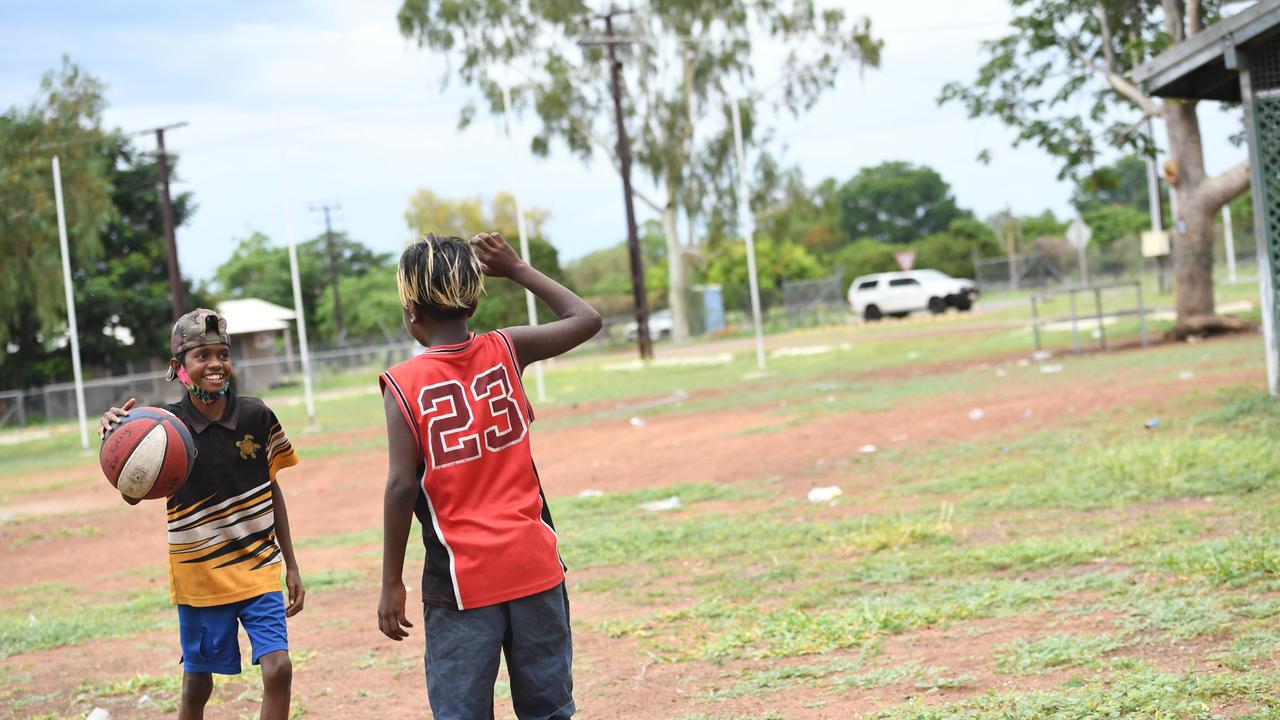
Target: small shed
(1238, 60)
(261, 342)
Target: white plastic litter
(913, 355)
(1186, 375)
(824, 494)
(1001, 372)
(867, 449)
(1041, 355)
(144, 700)
(1023, 362)
(976, 414)
(98, 714)
(637, 422)
(1050, 369)
(671, 503)
(591, 493)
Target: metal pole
(748, 230)
(1228, 234)
(1097, 306)
(1142, 314)
(1266, 268)
(529, 301)
(298, 310)
(177, 302)
(71, 304)
(1075, 331)
(624, 163)
(1035, 319)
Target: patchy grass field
(1022, 542)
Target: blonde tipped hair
(441, 276)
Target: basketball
(148, 454)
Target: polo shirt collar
(199, 421)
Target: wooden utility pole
(333, 269)
(177, 303)
(624, 164)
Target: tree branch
(1219, 190)
(1107, 50)
(1121, 84)
(608, 150)
(1173, 20)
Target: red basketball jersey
(485, 523)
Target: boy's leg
(209, 645)
(264, 622)
(463, 650)
(196, 688)
(540, 656)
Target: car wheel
(937, 305)
(964, 304)
(872, 313)
(664, 334)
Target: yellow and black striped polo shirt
(222, 540)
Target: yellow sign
(1155, 243)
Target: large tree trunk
(1193, 230)
(677, 279)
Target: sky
(295, 104)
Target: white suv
(899, 294)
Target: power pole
(624, 163)
(177, 303)
(333, 268)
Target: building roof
(251, 315)
(1205, 66)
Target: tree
(952, 250)
(259, 269)
(503, 303)
(66, 120)
(1060, 79)
(125, 294)
(684, 56)
(896, 202)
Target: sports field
(1019, 544)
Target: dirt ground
(349, 670)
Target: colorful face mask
(205, 396)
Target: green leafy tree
(683, 61)
(503, 303)
(952, 250)
(863, 257)
(896, 202)
(259, 269)
(776, 262)
(65, 120)
(1061, 80)
(125, 293)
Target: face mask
(205, 396)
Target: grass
(1108, 542)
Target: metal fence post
(1075, 331)
(1035, 319)
(1097, 305)
(1142, 315)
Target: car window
(903, 281)
(868, 285)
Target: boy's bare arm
(397, 518)
(578, 322)
(292, 576)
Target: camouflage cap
(196, 328)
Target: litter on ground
(824, 494)
(671, 503)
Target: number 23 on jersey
(461, 430)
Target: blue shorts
(208, 634)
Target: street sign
(1079, 234)
(906, 259)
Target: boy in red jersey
(459, 457)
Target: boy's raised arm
(578, 322)
(397, 518)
